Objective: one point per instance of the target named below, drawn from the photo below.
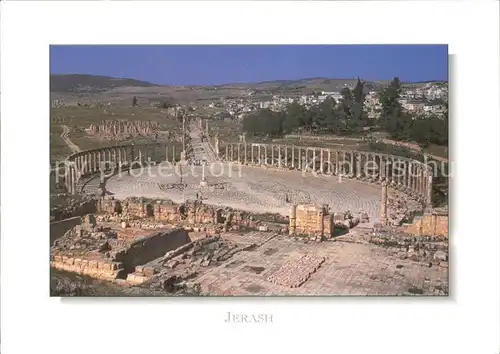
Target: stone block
(149, 271)
(440, 256)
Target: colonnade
(413, 176)
(89, 162)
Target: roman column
(337, 163)
(66, 174)
(358, 165)
(314, 161)
(351, 167)
(344, 160)
(246, 157)
(393, 168)
(98, 155)
(321, 161)
(293, 156)
(68, 178)
(119, 157)
(94, 161)
(429, 190)
(381, 168)
(424, 177)
(410, 175)
(383, 204)
(330, 170)
(293, 219)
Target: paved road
(201, 150)
(64, 135)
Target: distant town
(420, 100)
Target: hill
(91, 83)
(307, 84)
(80, 88)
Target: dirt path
(64, 135)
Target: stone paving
(254, 190)
(296, 272)
(348, 269)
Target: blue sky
(219, 64)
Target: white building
(335, 95)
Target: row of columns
(411, 175)
(90, 162)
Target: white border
(33, 322)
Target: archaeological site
(240, 218)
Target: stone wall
(75, 208)
(145, 250)
(193, 212)
(99, 269)
(139, 252)
(311, 219)
(430, 224)
(59, 228)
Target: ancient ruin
(250, 219)
(123, 129)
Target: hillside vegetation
(91, 83)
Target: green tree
(294, 117)
(357, 92)
(346, 101)
(393, 118)
(264, 122)
(326, 119)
